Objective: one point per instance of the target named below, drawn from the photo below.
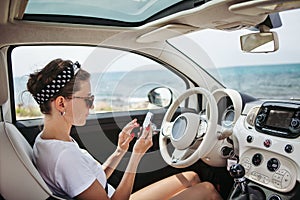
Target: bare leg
(173, 185)
(201, 191)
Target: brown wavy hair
(38, 80)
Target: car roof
(18, 16)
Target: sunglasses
(88, 100)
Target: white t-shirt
(67, 169)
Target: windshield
(274, 75)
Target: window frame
(39, 120)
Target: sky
(289, 44)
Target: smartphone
(147, 119)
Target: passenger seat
(19, 177)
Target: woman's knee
(210, 188)
(192, 177)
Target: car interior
(136, 52)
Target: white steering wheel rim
(210, 138)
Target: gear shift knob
(241, 189)
(237, 171)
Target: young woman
(63, 92)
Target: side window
(121, 81)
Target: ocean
(268, 81)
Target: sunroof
(128, 11)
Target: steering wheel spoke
(202, 129)
(179, 155)
(167, 129)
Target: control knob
(295, 123)
(260, 118)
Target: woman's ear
(60, 102)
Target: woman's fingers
(146, 132)
(130, 126)
(126, 135)
(143, 143)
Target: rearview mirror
(160, 96)
(259, 42)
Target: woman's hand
(144, 142)
(126, 135)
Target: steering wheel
(193, 135)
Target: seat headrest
(3, 78)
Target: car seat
(19, 179)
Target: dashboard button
(276, 183)
(288, 148)
(254, 175)
(266, 180)
(286, 180)
(249, 139)
(273, 164)
(257, 159)
(277, 177)
(281, 171)
(267, 143)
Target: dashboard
(266, 138)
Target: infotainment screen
(279, 118)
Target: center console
(266, 138)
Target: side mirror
(262, 42)
(160, 96)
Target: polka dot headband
(56, 84)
